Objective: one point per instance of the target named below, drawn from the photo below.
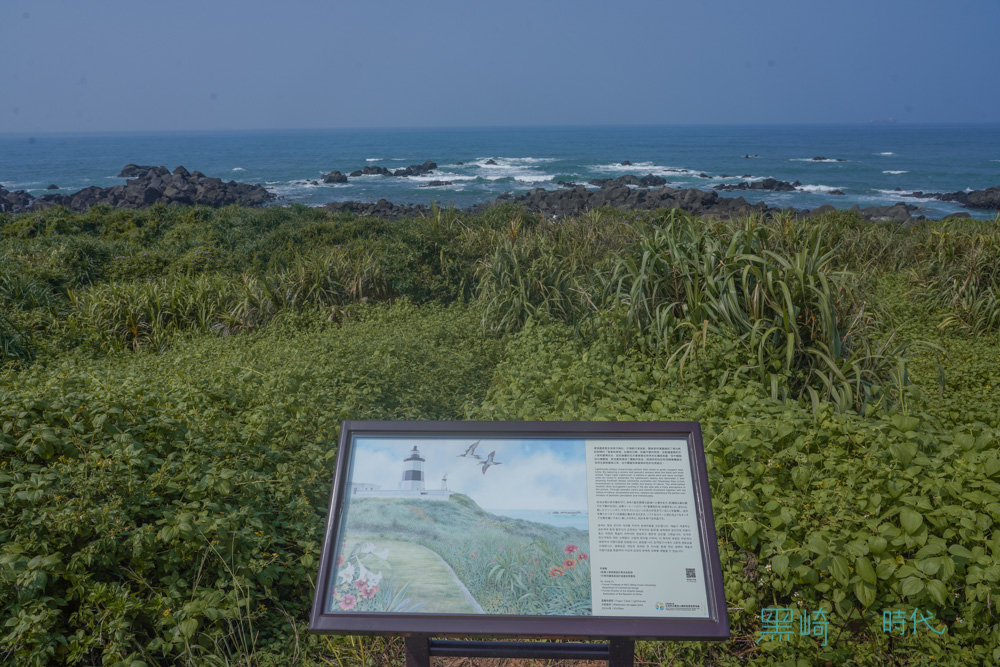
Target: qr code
(689, 572)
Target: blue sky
(534, 474)
(254, 64)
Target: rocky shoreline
(148, 185)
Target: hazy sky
(78, 65)
(540, 474)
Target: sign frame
(716, 627)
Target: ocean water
(881, 163)
(557, 519)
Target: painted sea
(560, 519)
(873, 164)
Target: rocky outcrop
(988, 199)
(435, 184)
(820, 158)
(416, 169)
(647, 181)
(14, 202)
(576, 200)
(380, 209)
(132, 170)
(154, 185)
(771, 184)
(334, 177)
(371, 171)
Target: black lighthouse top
(414, 455)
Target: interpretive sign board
(551, 529)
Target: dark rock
(382, 209)
(822, 210)
(52, 186)
(153, 185)
(647, 181)
(371, 171)
(181, 171)
(626, 163)
(491, 161)
(459, 163)
(896, 213)
(566, 184)
(988, 199)
(837, 192)
(132, 170)
(435, 184)
(416, 169)
(770, 184)
(960, 214)
(334, 177)
(984, 199)
(820, 158)
(703, 175)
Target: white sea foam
(809, 159)
(643, 168)
(817, 189)
(437, 175)
(515, 160)
(895, 171)
(519, 169)
(238, 169)
(887, 153)
(373, 159)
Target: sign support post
(421, 648)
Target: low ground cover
(173, 381)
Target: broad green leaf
(938, 591)
(865, 593)
(911, 586)
(864, 568)
(910, 520)
(780, 564)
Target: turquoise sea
(873, 164)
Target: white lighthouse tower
(413, 472)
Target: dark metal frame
(716, 627)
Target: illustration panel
(460, 525)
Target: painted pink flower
(361, 585)
(569, 563)
(369, 592)
(570, 548)
(581, 556)
(348, 601)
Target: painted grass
(430, 581)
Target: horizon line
(396, 128)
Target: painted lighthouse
(413, 471)
(411, 485)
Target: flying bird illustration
(490, 462)
(471, 451)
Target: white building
(410, 486)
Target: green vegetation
(509, 566)
(173, 380)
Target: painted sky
(535, 474)
(125, 65)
